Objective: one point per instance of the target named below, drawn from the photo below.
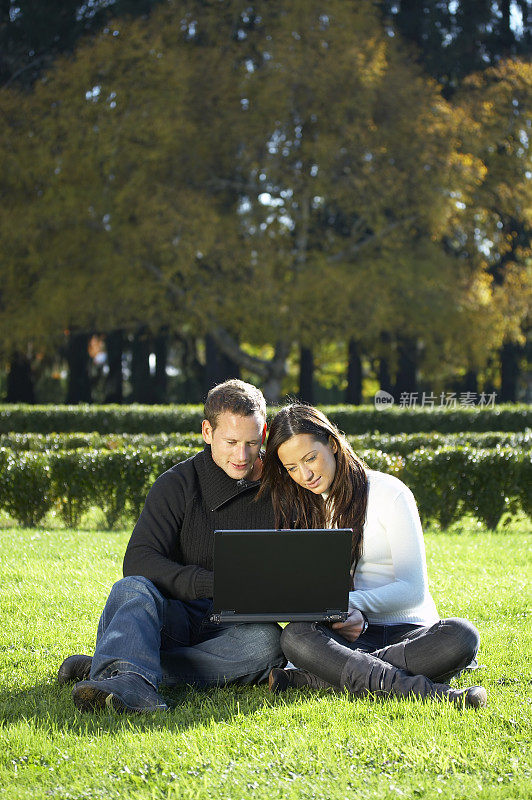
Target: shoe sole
(476, 698)
(89, 698)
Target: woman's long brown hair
(296, 507)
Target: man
(155, 626)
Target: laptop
(281, 576)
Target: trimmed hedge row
(183, 419)
(403, 444)
(447, 483)
(48, 442)
(116, 481)
(450, 482)
(366, 419)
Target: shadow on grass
(50, 707)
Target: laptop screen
(275, 572)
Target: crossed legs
(419, 663)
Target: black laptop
(281, 576)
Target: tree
(455, 39)
(35, 32)
(335, 177)
(300, 195)
(456, 43)
(498, 225)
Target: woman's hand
(352, 627)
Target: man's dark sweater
(172, 542)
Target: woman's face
(309, 462)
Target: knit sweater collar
(216, 486)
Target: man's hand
(352, 627)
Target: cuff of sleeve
(357, 601)
(204, 583)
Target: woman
(393, 641)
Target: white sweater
(391, 585)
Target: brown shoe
(126, 693)
(74, 669)
(278, 680)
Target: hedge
(447, 483)
(450, 482)
(405, 443)
(367, 419)
(186, 419)
(402, 444)
(47, 442)
(116, 481)
(25, 486)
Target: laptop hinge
(218, 616)
(334, 615)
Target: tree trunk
(114, 345)
(353, 392)
(509, 355)
(385, 380)
(20, 380)
(405, 381)
(219, 366)
(471, 381)
(506, 35)
(79, 382)
(191, 388)
(161, 360)
(141, 382)
(272, 372)
(306, 375)
(273, 380)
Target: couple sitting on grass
(155, 627)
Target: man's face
(235, 443)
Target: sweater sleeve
(153, 543)
(408, 586)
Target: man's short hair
(236, 396)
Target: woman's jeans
(173, 642)
(439, 652)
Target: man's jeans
(173, 642)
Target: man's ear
(264, 432)
(206, 431)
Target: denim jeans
(172, 641)
(439, 652)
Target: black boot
(363, 675)
(311, 647)
(280, 680)
(75, 668)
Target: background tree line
(265, 190)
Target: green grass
(243, 743)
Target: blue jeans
(173, 642)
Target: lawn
(243, 743)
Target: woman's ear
(332, 444)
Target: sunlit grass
(243, 743)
